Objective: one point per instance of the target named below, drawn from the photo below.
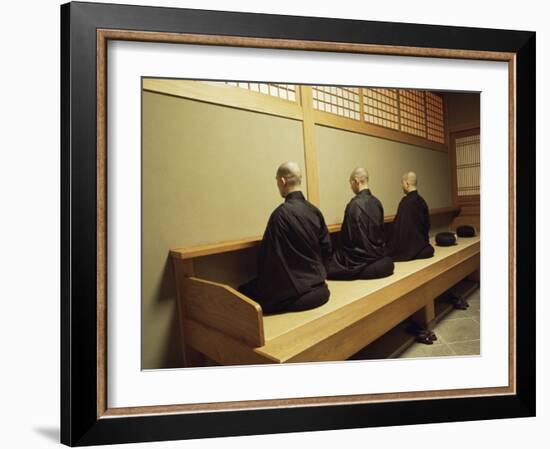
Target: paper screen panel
(381, 107)
(435, 117)
(467, 165)
(282, 91)
(412, 112)
(209, 171)
(341, 101)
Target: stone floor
(458, 333)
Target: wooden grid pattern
(416, 112)
(435, 117)
(412, 115)
(341, 101)
(381, 107)
(282, 91)
(467, 165)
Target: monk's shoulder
(421, 201)
(374, 202)
(289, 210)
(354, 205)
(313, 210)
(312, 207)
(279, 214)
(356, 208)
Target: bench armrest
(223, 308)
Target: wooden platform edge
(221, 347)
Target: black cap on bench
(466, 231)
(445, 239)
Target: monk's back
(292, 251)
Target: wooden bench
(229, 328)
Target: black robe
(293, 251)
(410, 231)
(361, 237)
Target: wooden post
(425, 316)
(474, 276)
(310, 155)
(184, 268)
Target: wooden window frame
(258, 102)
(460, 200)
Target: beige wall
(339, 152)
(208, 176)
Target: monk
(293, 252)
(410, 240)
(409, 237)
(362, 254)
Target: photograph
(290, 223)
(273, 224)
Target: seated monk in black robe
(362, 254)
(296, 244)
(409, 237)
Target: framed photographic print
(273, 224)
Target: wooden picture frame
(86, 29)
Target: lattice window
(435, 117)
(415, 112)
(381, 107)
(283, 91)
(342, 101)
(467, 165)
(412, 112)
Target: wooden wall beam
(368, 129)
(310, 154)
(225, 95)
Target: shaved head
(408, 182)
(410, 178)
(360, 175)
(289, 178)
(290, 170)
(358, 180)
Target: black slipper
(431, 335)
(422, 335)
(458, 302)
(424, 338)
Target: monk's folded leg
(380, 269)
(337, 272)
(250, 289)
(310, 300)
(426, 253)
